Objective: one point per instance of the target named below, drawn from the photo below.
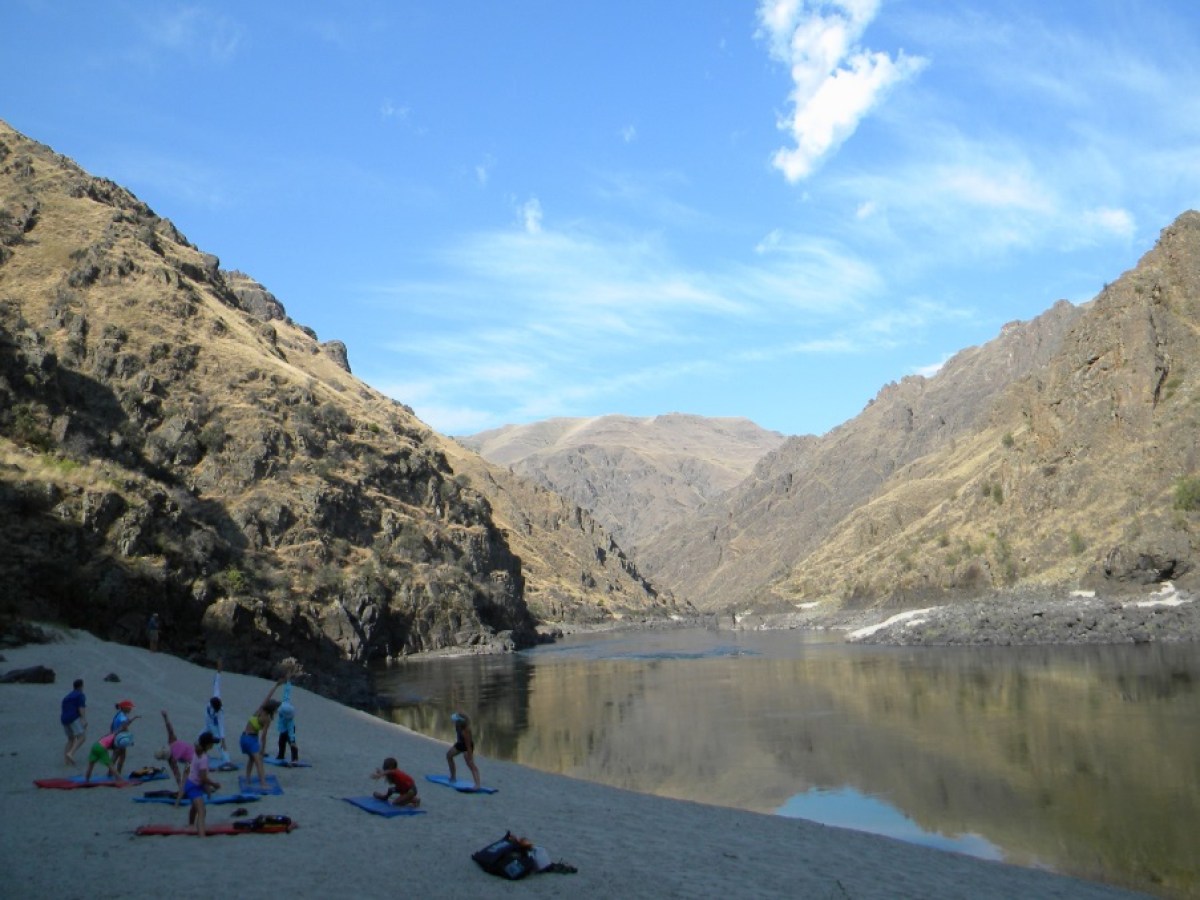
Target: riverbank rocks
(1082, 617)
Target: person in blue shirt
(286, 718)
(120, 726)
(214, 724)
(74, 720)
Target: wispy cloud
(539, 321)
(193, 30)
(531, 215)
(389, 110)
(835, 81)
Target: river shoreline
(623, 843)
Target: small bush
(235, 580)
(1078, 544)
(28, 430)
(1187, 493)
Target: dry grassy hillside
(1085, 473)
(170, 440)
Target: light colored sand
(80, 843)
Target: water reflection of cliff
(1076, 758)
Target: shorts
(191, 791)
(99, 754)
(74, 729)
(460, 747)
(250, 745)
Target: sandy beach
(81, 843)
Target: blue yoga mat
(215, 799)
(382, 807)
(463, 787)
(272, 761)
(253, 786)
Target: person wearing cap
(464, 743)
(122, 736)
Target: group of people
(191, 762)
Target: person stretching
(175, 753)
(214, 724)
(255, 734)
(287, 725)
(464, 743)
(101, 752)
(197, 786)
(401, 789)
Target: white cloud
(483, 170)
(389, 110)
(933, 368)
(629, 134)
(835, 82)
(531, 215)
(1115, 222)
(191, 29)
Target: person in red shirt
(401, 789)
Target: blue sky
(522, 209)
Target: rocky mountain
(171, 441)
(1063, 453)
(637, 476)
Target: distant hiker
(101, 752)
(198, 785)
(175, 753)
(464, 743)
(74, 720)
(401, 789)
(152, 628)
(255, 734)
(214, 724)
(287, 724)
(123, 737)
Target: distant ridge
(637, 476)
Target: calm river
(1084, 760)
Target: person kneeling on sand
(401, 789)
(197, 786)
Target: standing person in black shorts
(464, 743)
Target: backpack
(265, 823)
(505, 858)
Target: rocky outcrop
(170, 441)
(576, 573)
